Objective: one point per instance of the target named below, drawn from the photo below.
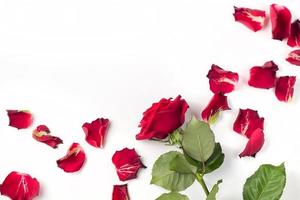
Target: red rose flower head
(19, 119)
(294, 37)
(120, 192)
(294, 57)
(42, 134)
(284, 89)
(255, 143)
(281, 21)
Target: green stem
(200, 179)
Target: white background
(71, 61)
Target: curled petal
(221, 81)
(294, 37)
(42, 134)
(263, 77)
(217, 103)
(284, 89)
(74, 159)
(127, 163)
(20, 119)
(281, 21)
(252, 18)
(120, 192)
(255, 143)
(95, 132)
(294, 57)
(20, 186)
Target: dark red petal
(255, 143)
(95, 132)
(294, 57)
(263, 77)
(217, 103)
(127, 163)
(20, 186)
(74, 159)
(19, 119)
(247, 122)
(285, 88)
(220, 80)
(120, 192)
(42, 134)
(162, 118)
(281, 21)
(294, 37)
(251, 18)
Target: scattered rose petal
(284, 89)
(217, 103)
(294, 37)
(263, 77)
(120, 192)
(251, 18)
(95, 132)
(20, 119)
(294, 57)
(221, 81)
(20, 186)
(254, 144)
(74, 159)
(281, 21)
(162, 118)
(127, 163)
(42, 134)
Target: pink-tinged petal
(263, 77)
(20, 119)
(162, 118)
(221, 81)
(127, 163)
(120, 192)
(74, 159)
(284, 89)
(281, 21)
(255, 143)
(294, 57)
(217, 104)
(95, 132)
(252, 18)
(294, 37)
(20, 186)
(247, 122)
(42, 134)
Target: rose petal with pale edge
(220, 80)
(127, 163)
(74, 159)
(20, 119)
(294, 37)
(294, 57)
(280, 21)
(95, 132)
(284, 89)
(120, 192)
(263, 77)
(20, 186)
(217, 103)
(252, 18)
(42, 134)
(248, 121)
(254, 144)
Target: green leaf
(181, 165)
(175, 138)
(168, 179)
(198, 140)
(172, 196)
(213, 193)
(214, 161)
(267, 183)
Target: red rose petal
(74, 159)
(127, 163)
(42, 134)
(285, 88)
(254, 144)
(281, 21)
(95, 132)
(251, 18)
(294, 57)
(19, 119)
(20, 186)
(120, 192)
(217, 103)
(162, 118)
(221, 80)
(294, 37)
(263, 77)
